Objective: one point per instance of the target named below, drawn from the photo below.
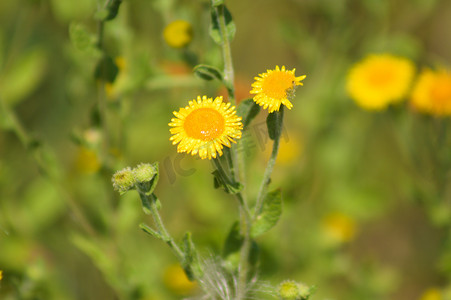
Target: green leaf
(150, 231)
(230, 188)
(113, 9)
(269, 215)
(191, 261)
(106, 69)
(206, 72)
(274, 122)
(23, 77)
(233, 241)
(248, 110)
(218, 13)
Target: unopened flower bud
(123, 180)
(146, 176)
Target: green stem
(245, 225)
(153, 208)
(229, 77)
(269, 168)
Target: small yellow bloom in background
(87, 161)
(175, 280)
(432, 93)
(339, 227)
(178, 34)
(113, 89)
(204, 126)
(380, 80)
(1, 274)
(275, 87)
(432, 294)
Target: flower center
(380, 75)
(277, 83)
(441, 90)
(204, 124)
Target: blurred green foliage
(65, 234)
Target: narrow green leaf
(274, 122)
(248, 110)
(106, 69)
(216, 17)
(150, 231)
(270, 214)
(233, 241)
(145, 202)
(206, 72)
(191, 261)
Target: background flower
(432, 92)
(379, 80)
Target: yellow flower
(431, 294)
(87, 161)
(379, 80)
(1, 274)
(432, 93)
(205, 126)
(275, 87)
(339, 227)
(178, 34)
(175, 279)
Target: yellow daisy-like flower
(275, 87)
(432, 93)
(204, 126)
(379, 80)
(178, 34)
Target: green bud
(291, 290)
(146, 177)
(124, 180)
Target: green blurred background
(360, 219)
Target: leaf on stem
(106, 69)
(274, 123)
(220, 182)
(109, 12)
(191, 260)
(248, 110)
(233, 241)
(269, 214)
(207, 72)
(217, 11)
(150, 231)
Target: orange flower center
(380, 75)
(276, 84)
(441, 90)
(204, 124)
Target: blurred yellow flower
(379, 80)
(432, 93)
(175, 280)
(178, 34)
(431, 294)
(87, 161)
(339, 227)
(275, 87)
(205, 126)
(1, 274)
(290, 149)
